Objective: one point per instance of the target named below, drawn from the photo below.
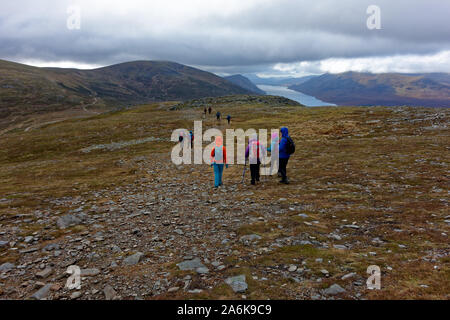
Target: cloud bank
(283, 36)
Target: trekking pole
(245, 169)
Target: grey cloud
(259, 34)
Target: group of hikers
(218, 114)
(280, 149)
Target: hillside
(369, 186)
(245, 83)
(26, 90)
(392, 89)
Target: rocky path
(129, 237)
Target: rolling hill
(26, 90)
(390, 89)
(245, 83)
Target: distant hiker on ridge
(218, 116)
(287, 147)
(209, 110)
(229, 119)
(191, 136)
(180, 138)
(218, 159)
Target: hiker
(204, 113)
(218, 159)
(209, 110)
(229, 119)
(218, 116)
(252, 152)
(180, 138)
(274, 157)
(191, 136)
(287, 147)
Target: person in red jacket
(218, 159)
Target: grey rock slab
(44, 273)
(250, 238)
(324, 272)
(237, 283)
(351, 226)
(116, 249)
(7, 266)
(51, 246)
(75, 295)
(133, 259)
(334, 290)
(28, 239)
(30, 250)
(348, 275)
(109, 292)
(68, 220)
(189, 265)
(202, 270)
(89, 272)
(42, 293)
(292, 268)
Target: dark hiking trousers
(254, 171)
(283, 164)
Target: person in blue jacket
(284, 155)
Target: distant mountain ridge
(26, 89)
(278, 81)
(388, 89)
(244, 82)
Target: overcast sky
(279, 37)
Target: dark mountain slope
(245, 83)
(26, 90)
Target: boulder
(334, 290)
(68, 220)
(133, 259)
(237, 283)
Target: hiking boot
(285, 181)
(253, 182)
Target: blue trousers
(218, 171)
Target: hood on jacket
(219, 141)
(253, 137)
(284, 132)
